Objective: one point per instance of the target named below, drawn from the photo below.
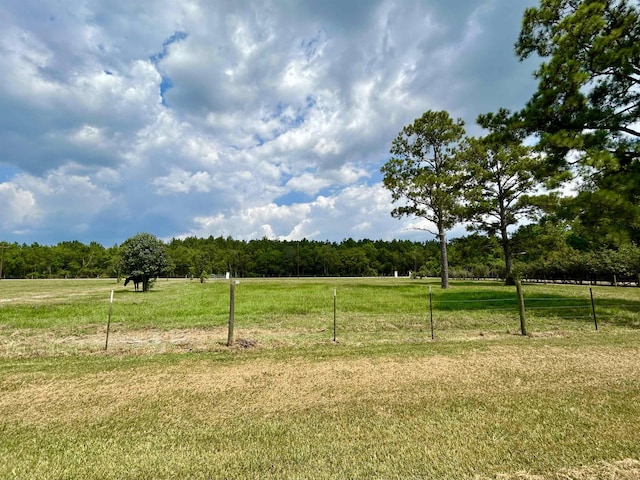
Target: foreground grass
(383, 402)
(536, 407)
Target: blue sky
(245, 119)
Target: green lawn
(169, 399)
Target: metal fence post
(593, 308)
(335, 313)
(431, 311)
(106, 342)
(523, 325)
(232, 306)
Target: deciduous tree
(143, 255)
(3, 247)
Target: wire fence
(451, 313)
(589, 308)
(541, 306)
(347, 315)
(560, 308)
(377, 313)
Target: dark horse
(136, 279)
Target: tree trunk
(444, 260)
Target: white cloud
(359, 211)
(313, 182)
(181, 181)
(201, 117)
(19, 206)
(308, 183)
(61, 197)
(24, 56)
(88, 135)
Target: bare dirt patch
(92, 339)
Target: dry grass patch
(627, 469)
(235, 415)
(90, 339)
(271, 386)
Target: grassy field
(169, 399)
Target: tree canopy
(424, 175)
(552, 252)
(587, 106)
(500, 182)
(143, 256)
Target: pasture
(168, 399)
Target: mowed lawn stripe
(502, 409)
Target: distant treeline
(540, 253)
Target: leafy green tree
(354, 261)
(201, 266)
(307, 258)
(328, 259)
(182, 257)
(143, 255)
(499, 187)
(424, 174)
(538, 240)
(114, 264)
(480, 254)
(14, 265)
(268, 257)
(4, 246)
(587, 106)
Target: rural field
(169, 399)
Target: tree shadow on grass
(570, 308)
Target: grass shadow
(570, 308)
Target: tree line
(202, 257)
(544, 251)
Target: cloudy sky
(237, 118)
